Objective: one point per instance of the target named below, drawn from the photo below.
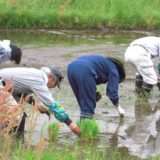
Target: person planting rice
(86, 72)
(140, 54)
(38, 81)
(10, 52)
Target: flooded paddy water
(138, 133)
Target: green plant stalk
(53, 131)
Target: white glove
(120, 110)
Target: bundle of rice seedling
(89, 129)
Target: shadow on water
(139, 132)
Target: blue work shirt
(86, 72)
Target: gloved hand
(98, 96)
(120, 110)
(58, 111)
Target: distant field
(80, 14)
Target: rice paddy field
(134, 137)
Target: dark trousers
(83, 85)
(21, 127)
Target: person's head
(55, 76)
(16, 54)
(120, 67)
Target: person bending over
(88, 71)
(38, 81)
(140, 54)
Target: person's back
(97, 65)
(28, 80)
(85, 72)
(150, 43)
(10, 52)
(140, 53)
(23, 78)
(38, 81)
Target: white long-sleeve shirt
(5, 51)
(150, 43)
(29, 80)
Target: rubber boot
(146, 90)
(19, 130)
(22, 123)
(138, 84)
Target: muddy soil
(139, 131)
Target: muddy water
(138, 132)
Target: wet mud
(138, 133)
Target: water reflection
(139, 134)
(143, 136)
(46, 38)
(114, 138)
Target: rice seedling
(53, 131)
(89, 129)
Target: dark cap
(57, 75)
(120, 67)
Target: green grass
(70, 14)
(76, 152)
(57, 154)
(53, 132)
(89, 129)
(13, 149)
(81, 152)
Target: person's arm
(62, 116)
(55, 108)
(59, 113)
(112, 91)
(112, 86)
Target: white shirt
(29, 80)
(5, 51)
(151, 44)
